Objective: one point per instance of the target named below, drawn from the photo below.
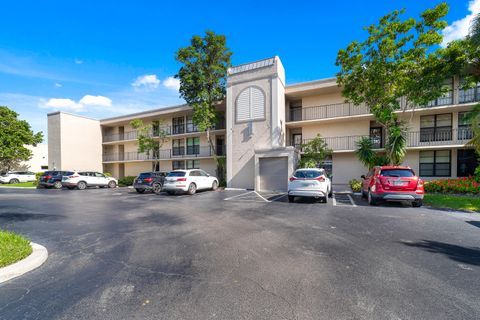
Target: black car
(151, 181)
(53, 179)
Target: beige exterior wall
(38, 160)
(74, 142)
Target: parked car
(82, 180)
(17, 176)
(53, 179)
(151, 181)
(189, 181)
(393, 183)
(309, 182)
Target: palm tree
(474, 32)
(365, 152)
(473, 41)
(396, 146)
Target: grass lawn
(13, 248)
(21, 184)
(457, 202)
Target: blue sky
(107, 58)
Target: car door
(366, 181)
(206, 179)
(30, 176)
(194, 177)
(101, 179)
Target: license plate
(306, 184)
(399, 183)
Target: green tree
(147, 142)
(397, 62)
(203, 80)
(367, 156)
(15, 136)
(314, 152)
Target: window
(376, 135)
(250, 105)
(178, 147)
(435, 163)
(193, 164)
(99, 175)
(176, 174)
(190, 126)
(156, 128)
(193, 145)
(446, 98)
(466, 162)
(296, 111)
(178, 125)
(397, 173)
(194, 174)
(297, 140)
(470, 94)
(436, 127)
(44, 167)
(220, 121)
(464, 126)
(177, 165)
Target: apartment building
(261, 128)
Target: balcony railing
(348, 109)
(444, 137)
(174, 153)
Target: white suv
(84, 179)
(17, 176)
(309, 182)
(189, 181)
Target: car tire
(371, 200)
(291, 198)
(417, 203)
(81, 185)
(140, 190)
(13, 181)
(192, 188)
(330, 193)
(57, 185)
(157, 188)
(325, 199)
(112, 184)
(214, 185)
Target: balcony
(415, 139)
(348, 109)
(168, 154)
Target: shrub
(458, 185)
(37, 177)
(126, 181)
(355, 185)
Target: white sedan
(309, 182)
(189, 181)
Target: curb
(38, 256)
(7, 187)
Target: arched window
(250, 105)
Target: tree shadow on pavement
(19, 216)
(458, 253)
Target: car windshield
(145, 175)
(176, 174)
(397, 173)
(308, 174)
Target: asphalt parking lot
(115, 254)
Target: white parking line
(334, 201)
(239, 195)
(280, 196)
(258, 194)
(351, 200)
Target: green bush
(454, 185)
(126, 181)
(37, 178)
(355, 185)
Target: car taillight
(148, 180)
(293, 179)
(321, 179)
(181, 179)
(48, 177)
(420, 188)
(71, 177)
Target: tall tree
(397, 62)
(15, 136)
(203, 79)
(314, 152)
(147, 139)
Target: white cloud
(172, 83)
(78, 61)
(147, 81)
(62, 104)
(459, 28)
(96, 101)
(57, 85)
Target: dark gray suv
(150, 181)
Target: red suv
(393, 183)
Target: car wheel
(192, 188)
(371, 200)
(140, 190)
(325, 199)
(57, 185)
(13, 181)
(214, 185)
(112, 184)
(291, 198)
(81, 185)
(157, 188)
(330, 193)
(417, 203)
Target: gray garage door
(274, 174)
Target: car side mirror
(363, 176)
